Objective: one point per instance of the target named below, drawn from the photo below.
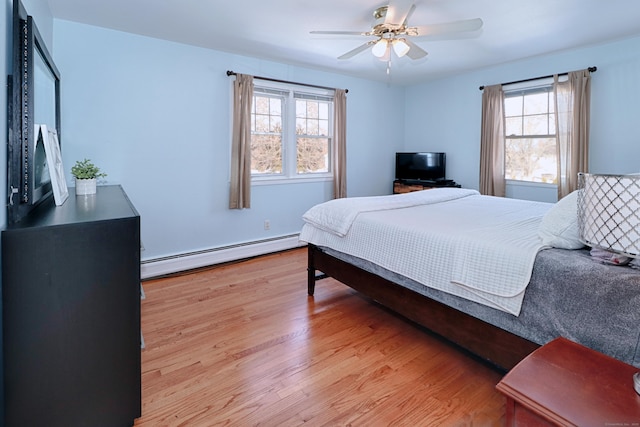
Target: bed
(498, 277)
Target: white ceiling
(278, 30)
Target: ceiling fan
(391, 31)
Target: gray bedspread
(569, 295)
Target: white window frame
(289, 154)
(524, 87)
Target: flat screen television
(421, 166)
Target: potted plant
(86, 174)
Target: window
(291, 133)
(530, 135)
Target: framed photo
(54, 161)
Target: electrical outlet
(267, 224)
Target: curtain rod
(591, 70)
(233, 73)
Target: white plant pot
(85, 187)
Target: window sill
(514, 182)
(284, 180)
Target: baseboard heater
(190, 260)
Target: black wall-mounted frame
(30, 56)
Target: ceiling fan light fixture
(380, 48)
(400, 47)
(391, 31)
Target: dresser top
(109, 203)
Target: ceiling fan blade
(415, 51)
(396, 14)
(341, 33)
(356, 51)
(449, 27)
(408, 15)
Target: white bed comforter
(477, 247)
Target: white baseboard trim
(188, 261)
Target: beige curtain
(573, 100)
(339, 151)
(240, 190)
(492, 180)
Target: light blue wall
(43, 18)
(155, 116)
(445, 115)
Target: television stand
(406, 186)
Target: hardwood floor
(243, 345)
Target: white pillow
(559, 226)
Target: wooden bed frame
(493, 344)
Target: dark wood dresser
(566, 384)
(400, 187)
(71, 313)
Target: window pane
(536, 125)
(266, 154)
(266, 124)
(267, 114)
(323, 127)
(513, 106)
(323, 111)
(301, 126)
(275, 106)
(312, 127)
(261, 123)
(261, 104)
(275, 124)
(513, 126)
(312, 155)
(312, 109)
(301, 108)
(312, 117)
(531, 159)
(536, 103)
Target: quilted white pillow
(559, 226)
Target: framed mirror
(34, 99)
